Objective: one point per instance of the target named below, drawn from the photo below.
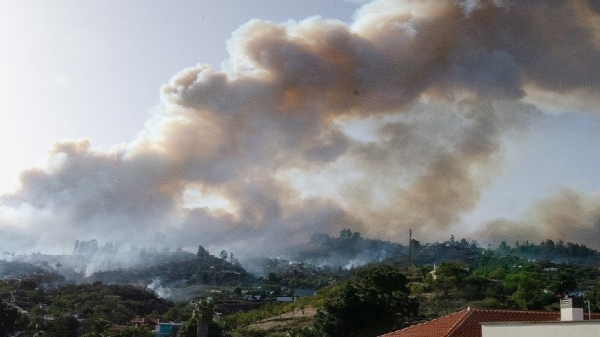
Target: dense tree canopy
(376, 300)
(8, 319)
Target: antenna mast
(409, 245)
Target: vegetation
(9, 318)
(186, 268)
(393, 290)
(114, 303)
(241, 319)
(374, 301)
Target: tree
(190, 327)
(345, 233)
(96, 327)
(375, 301)
(66, 326)
(85, 247)
(303, 332)
(202, 253)
(594, 297)
(564, 281)
(233, 260)
(223, 255)
(273, 278)
(448, 276)
(203, 315)
(504, 248)
(9, 317)
(529, 290)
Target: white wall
(549, 329)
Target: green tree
(475, 287)
(190, 329)
(223, 255)
(96, 327)
(273, 278)
(202, 253)
(564, 281)
(504, 248)
(594, 297)
(375, 301)
(201, 323)
(9, 318)
(345, 233)
(303, 332)
(204, 313)
(529, 290)
(448, 277)
(66, 326)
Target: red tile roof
(467, 323)
(143, 321)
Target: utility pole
(589, 310)
(409, 245)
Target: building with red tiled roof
(141, 321)
(467, 323)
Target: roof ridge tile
(463, 319)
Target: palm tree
(203, 314)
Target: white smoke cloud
(268, 146)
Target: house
(571, 323)
(541, 329)
(471, 322)
(301, 292)
(159, 329)
(167, 329)
(142, 321)
(136, 322)
(286, 299)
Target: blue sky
(557, 151)
(461, 133)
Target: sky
(253, 125)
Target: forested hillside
(412, 284)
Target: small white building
(571, 324)
(286, 299)
(545, 329)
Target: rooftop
(467, 323)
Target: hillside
(440, 278)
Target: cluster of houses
(284, 295)
(161, 329)
(570, 321)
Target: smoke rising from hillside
(571, 216)
(396, 121)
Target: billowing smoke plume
(396, 121)
(570, 216)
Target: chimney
(571, 309)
